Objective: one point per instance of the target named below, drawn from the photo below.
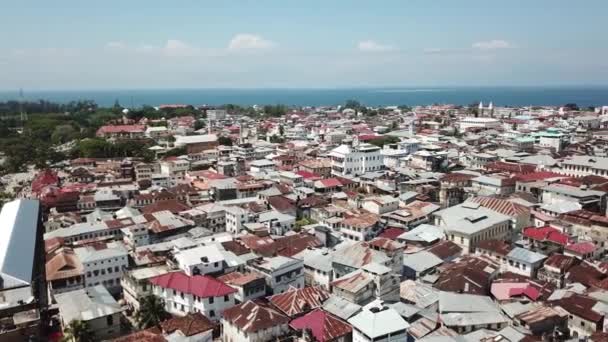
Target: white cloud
(248, 41)
(433, 51)
(492, 45)
(116, 45)
(178, 48)
(372, 46)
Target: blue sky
(185, 44)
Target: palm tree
(151, 312)
(78, 331)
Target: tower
(491, 109)
(21, 101)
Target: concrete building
(95, 306)
(379, 323)
(468, 223)
(356, 160)
(103, 264)
(280, 272)
(185, 294)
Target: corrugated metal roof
(18, 228)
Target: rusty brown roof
(297, 301)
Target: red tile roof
(561, 262)
(581, 247)
(121, 129)
(496, 246)
(536, 176)
(391, 233)
(297, 301)
(200, 286)
(546, 233)
(308, 175)
(330, 182)
(323, 326)
(189, 325)
(511, 167)
(44, 179)
(174, 206)
(581, 306)
(501, 206)
(254, 316)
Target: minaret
(491, 109)
(480, 109)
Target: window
(226, 298)
(210, 300)
(110, 320)
(211, 313)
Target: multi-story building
(64, 271)
(135, 283)
(469, 223)
(584, 166)
(362, 227)
(235, 218)
(185, 294)
(356, 160)
(122, 132)
(103, 264)
(94, 306)
(469, 123)
(280, 272)
(176, 169)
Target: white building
(135, 283)
(379, 323)
(216, 114)
(94, 306)
(381, 205)
(584, 166)
(262, 165)
(277, 222)
(200, 260)
(356, 160)
(280, 272)
(135, 236)
(104, 264)
(236, 217)
(468, 223)
(523, 261)
(185, 294)
(481, 123)
(176, 169)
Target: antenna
(21, 100)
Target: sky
(75, 44)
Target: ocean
(500, 96)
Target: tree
(151, 312)
(78, 331)
(276, 139)
(281, 130)
(352, 104)
(63, 134)
(226, 141)
(571, 106)
(384, 140)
